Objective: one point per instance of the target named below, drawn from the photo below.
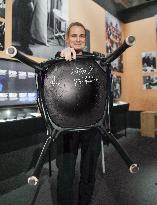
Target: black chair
(75, 96)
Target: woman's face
(76, 38)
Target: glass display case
(18, 113)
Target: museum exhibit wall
(133, 92)
(93, 17)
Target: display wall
(133, 90)
(92, 16)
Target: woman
(69, 143)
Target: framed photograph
(113, 39)
(149, 61)
(2, 35)
(150, 82)
(116, 80)
(39, 26)
(2, 8)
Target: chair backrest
(75, 93)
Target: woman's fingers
(68, 54)
(73, 53)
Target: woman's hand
(68, 54)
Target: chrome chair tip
(11, 51)
(134, 168)
(33, 181)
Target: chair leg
(49, 156)
(102, 156)
(55, 134)
(133, 168)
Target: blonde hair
(74, 24)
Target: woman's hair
(74, 24)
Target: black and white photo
(150, 82)
(116, 87)
(113, 39)
(2, 35)
(149, 61)
(2, 8)
(39, 26)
